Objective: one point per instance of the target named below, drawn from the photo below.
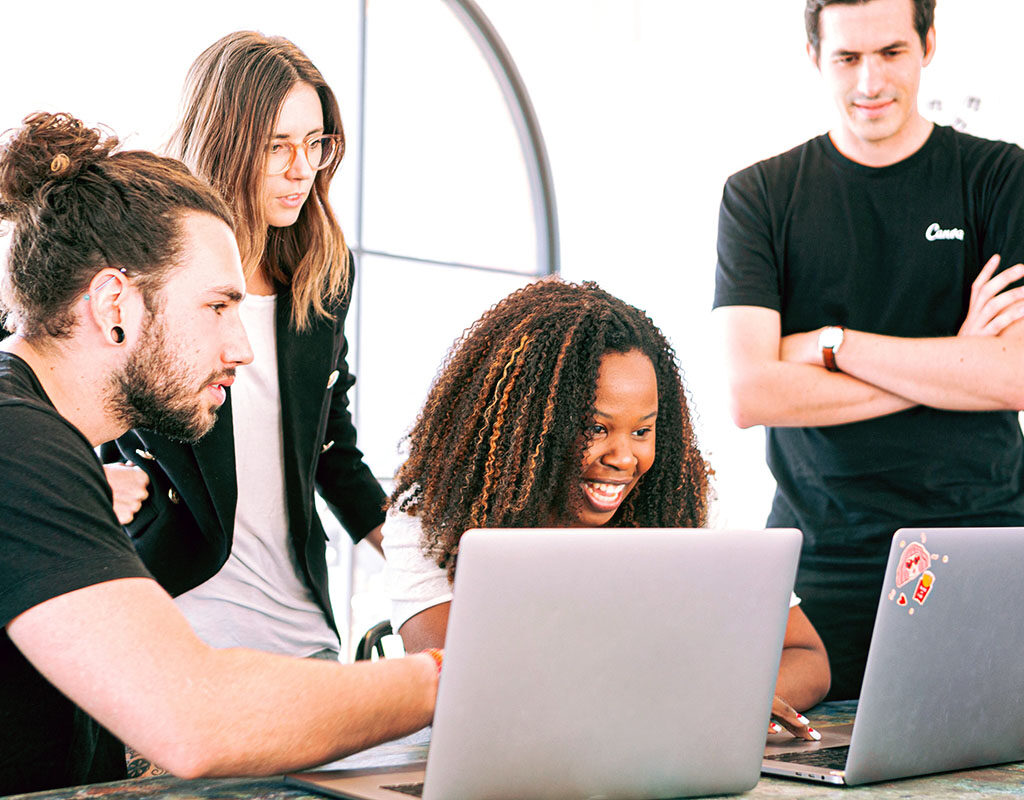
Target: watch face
(831, 337)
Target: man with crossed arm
(867, 324)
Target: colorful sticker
(915, 563)
(924, 586)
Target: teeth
(606, 491)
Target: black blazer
(184, 529)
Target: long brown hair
(232, 97)
(501, 439)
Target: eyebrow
(599, 413)
(230, 292)
(285, 135)
(891, 46)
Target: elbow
(820, 683)
(743, 411)
(189, 761)
(744, 419)
(190, 755)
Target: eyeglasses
(320, 151)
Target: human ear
(813, 56)
(104, 302)
(929, 46)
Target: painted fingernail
(814, 734)
(803, 719)
(774, 727)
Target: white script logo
(934, 232)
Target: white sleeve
(414, 582)
(794, 601)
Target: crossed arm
(781, 381)
(130, 660)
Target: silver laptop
(602, 663)
(944, 683)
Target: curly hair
(501, 439)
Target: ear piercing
(117, 334)
(108, 280)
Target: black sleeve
(747, 273)
(342, 477)
(997, 183)
(58, 532)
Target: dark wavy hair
(924, 18)
(502, 437)
(78, 206)
(232, 97)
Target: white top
(258, 599)
(415, 582)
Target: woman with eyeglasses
(228, 523)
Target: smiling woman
(621, 441)
(561, 406)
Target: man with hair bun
(121, 292)
(872, 319)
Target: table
(979, 784)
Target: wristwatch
(829, 341)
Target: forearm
(781, 394)
(804, 676)
(963, 373)
(131, 661)
(426, 629)
(332, 710)
(768, 386)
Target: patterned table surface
(978, 784)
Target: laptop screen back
(614, 662)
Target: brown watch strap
(828, 355)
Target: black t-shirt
(890, 250)
(58, 533)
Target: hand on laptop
(785, 716)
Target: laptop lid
(609, 662)
(944, 682)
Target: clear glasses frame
(320, 152)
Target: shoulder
(978, 155)
(401, 530)
(415, 582)
(31, 429)
(58, 531)
(783, 167)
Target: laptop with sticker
(944, 683)
(603, 662)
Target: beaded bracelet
(437, 655)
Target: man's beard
(154, 390)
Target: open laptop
(625, 663)
(944, 683)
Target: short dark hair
(78, 206)
(501, 439)
(924, 18)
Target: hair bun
(46, 149)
